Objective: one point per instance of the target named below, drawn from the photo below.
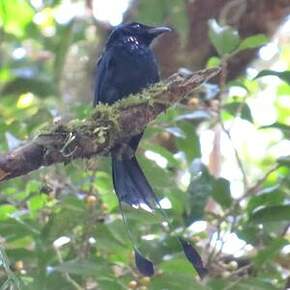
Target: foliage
(61, 228)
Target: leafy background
(221, 171)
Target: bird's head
(142, 33)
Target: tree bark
(248, 16)
(106, 128)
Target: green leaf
(68, 214)
(284, 76)
(142, 216)
(36, 203)
(189, 142)
(119, 231)
(178, 200)
(199, 190)
(249, 232)
(222, 192)
(213, 62)
(33, 186)
(270, 252)
(269, 196)
(253, 41)
(21, 254)
(156, 176)
(178, 265)
(285, 161)
(6, 210)
(176, 281)
(277, 213)
(106, 240)
(13, 229)
(225, 39)
(15, 15)
(240, 109)
(84, 268)
(201, 187)
(110, 284)
(253, 284)
(285, 129)
(103, 185)
(283, 89)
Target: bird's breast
(135, 69)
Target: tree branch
(107, 127)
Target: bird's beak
(155, 31)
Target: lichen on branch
(104, 129)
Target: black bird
(127, 66)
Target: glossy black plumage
(127, 66)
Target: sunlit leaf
(285, 129)
(33, 186)
(225, 39)
(15, 16)
(6, 210)
(36, 203)
(213, 62)
(284, 75)
(26, 100)
(253, 41)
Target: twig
(252, 190)
(238, 158)
(66, 275)
(223, 80)
(230, 286)
(285, 231)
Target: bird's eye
(136, 25)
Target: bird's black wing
(104, 90)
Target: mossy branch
(104, 129)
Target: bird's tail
(132, 187)
(130, 183)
